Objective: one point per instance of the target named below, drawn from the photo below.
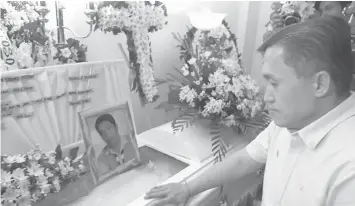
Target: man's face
(109, 133)
(289, 98)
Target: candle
(42, 3)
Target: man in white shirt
(309, 148)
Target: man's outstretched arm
(232, 168)
(238, 164)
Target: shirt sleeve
(258, 148)
(344, 192)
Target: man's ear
(321, 83)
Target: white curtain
(56, 121)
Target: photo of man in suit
(119, 148)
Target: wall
(242, 17)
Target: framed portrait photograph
(110, 141)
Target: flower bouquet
(212, 85)
(29, 178)
(135, 19)
(31, 44)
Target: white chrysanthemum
(231, 66)
(218, 32)
(187, 94)
(19, 174)
(213, 106)
(218, 79)
(5, 177)
(66, 52)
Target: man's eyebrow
(270, 76)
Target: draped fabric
(56, 121)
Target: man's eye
(274, 84)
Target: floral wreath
(194, 42)
(136, 20)
(32, 45)
(292, 12)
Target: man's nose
(268, 95)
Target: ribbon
(6, 51)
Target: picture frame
(110, 141)
(353, 42)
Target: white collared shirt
(312, 167)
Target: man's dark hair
(102, 118)
(319, 44)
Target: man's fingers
(158, 189)
(158, 193)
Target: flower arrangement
(28, 178)
(291, 12)
(212, 85)
(135, 19)
(287, 13)
(32, 44)
(71, 52)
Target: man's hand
(173, 193)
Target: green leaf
(58, 152)
(159, 81)
(218, 147)
(73, 153)
(183, 122)
(167, 106)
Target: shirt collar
(313, 133)
(109, 151)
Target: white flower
(192, 61)
(32, 15)
(19, 158)
(187, 94)
(35, 169)
(25, 48)
(9, 159)
(10, 194)
(207, 54)
(25, 61)
(81, 167)
(213, 106)
(19, 174)
(66, 52)
(185, 73)
(5, 177)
